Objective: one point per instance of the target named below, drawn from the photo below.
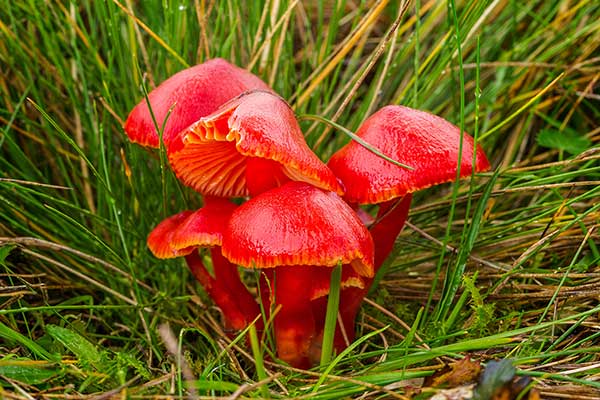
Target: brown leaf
(456, 374)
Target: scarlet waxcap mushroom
(191, 93)
(298, 224)
(427, 143)
(250, 145)
(297, 232)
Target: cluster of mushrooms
(228, 135)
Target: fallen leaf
(459, 373)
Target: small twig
(30, 183)
(146, 330)
(248, 387)
(378, 325)
(500, 192)
(590, 154)
(534, 247)
(386, 347)
(111, 111)
(581, 369)
(376, 54)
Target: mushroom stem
(228, 275)
(262, 175)
(234, 318)
(386, 228)
(294, 323)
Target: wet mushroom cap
(191, 93)
(215, 153)
(298, 224)
(427, 143)
(181, 233)
(205, 226)
(159, 240)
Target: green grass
(505, 265)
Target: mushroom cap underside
(212, 156)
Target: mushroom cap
(193, 93)
(181, 233)
(427, 143)
(213, 154)
(298, 224)
(205, 226)
(159, 240)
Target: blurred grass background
(507, 266)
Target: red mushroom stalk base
(386, 228)
(227, 290)
(294, 322)
(228, 273)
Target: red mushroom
(250, 145)
(182, 234)
(293, 229)
(189, 95)
(427, 143)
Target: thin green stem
(333, 303)
(354, 137)
(258, 359)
